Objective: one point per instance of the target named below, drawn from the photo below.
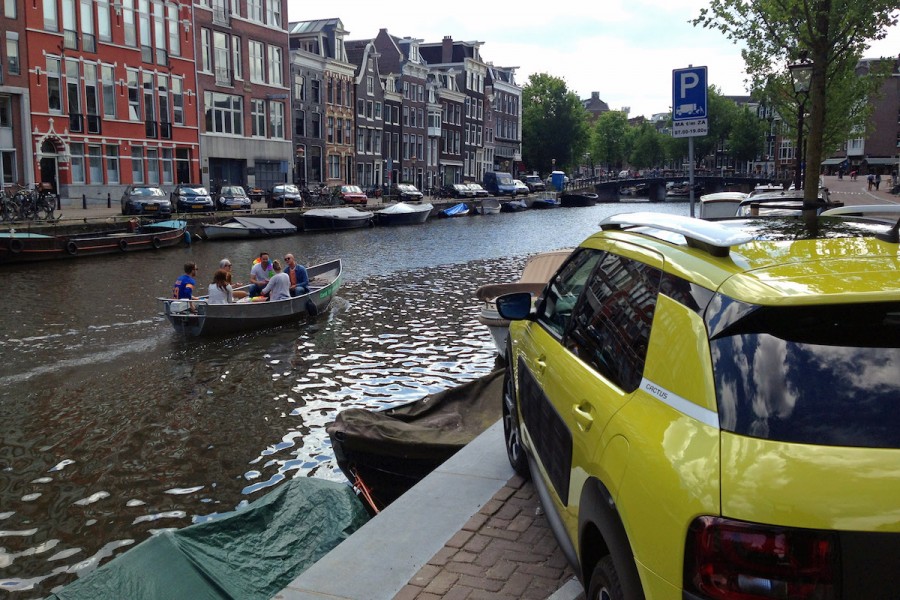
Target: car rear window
(824, 375)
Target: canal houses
(15, 100)
(369, 91)
(110, 92)
(243, 91)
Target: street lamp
(801, 75)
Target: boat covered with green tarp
(252, 553)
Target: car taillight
(735, 560)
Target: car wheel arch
(601, 533)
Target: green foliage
(554, 124)
(608, 139)
(748, 135)
(647, 149)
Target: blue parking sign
(689, 94)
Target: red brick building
(112, 95)
(15, 110)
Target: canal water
(113, 427)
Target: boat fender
(16, 246)
(187, 237)
(156, 242)
(311, 307)
(72, 248)
(123, 245)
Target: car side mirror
(515, 307)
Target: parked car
(521, 188)
(285, 195)
(145, 200)
(478, 190)
(353, 194)
(191, 197)
(457, 190)
(709, 408)
(407, 192)
(232, 197)
(534, 183)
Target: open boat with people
(248, 227)
(386, 452)
(332, 219)
(404, 213)
(537, 272)
(70, 241)
(199, 317)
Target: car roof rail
(709, 236)
(861, 210)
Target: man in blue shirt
(297, 273)
(184, 285)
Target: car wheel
(605, 584)
(514, 451)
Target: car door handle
(583, 416)
(541, 363)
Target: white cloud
(625, 50)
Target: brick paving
(506, 550)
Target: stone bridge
(656, 186)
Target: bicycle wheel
(43, 211)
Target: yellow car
(711, 410)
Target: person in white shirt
(279, 286)
(220, 291)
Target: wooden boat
(334, 219)
(389, 451)
(578, 199)
(70, 241)
(457, 210)
(489, 206)
(720, 204)
(537, 272)
(198, 317)
(248, 227)
(404, 213)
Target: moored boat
(578, 199)
(537, 272)
(720, 204)
(198, 317)
(248, 227)
(404, 213)
(389, 451)
(513, 206)
(545, 202)
(67, 241)
(331, 219)
(457, 210)
(489, 206)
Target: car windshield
(351, 189)
(286, 189)
(233, 191)
(192, 191)
(824, 375)
(147, 192)
(505, 179)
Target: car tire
(514, 450)
(605, 584)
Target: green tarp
(250, 554)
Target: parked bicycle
(36, 202)
(9, 208)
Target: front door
(48, 172)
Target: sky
(624, 49)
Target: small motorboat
(578, 199)
(489, 206)
(248, 227)
(513, 206)
(545, 202)
(199, 317)
(403, 213)
(457, 210)
(537, 272)
(720, 204)
(332, 219)
(386, 452)
(71, 241)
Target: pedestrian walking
(877, 181)
(871, 181)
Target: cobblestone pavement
(506, 550)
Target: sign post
(689, 116)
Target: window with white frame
(177, 101)
(95, 163)
(108, 85)
(236, 57)
(76, 162)
(51, 16)
(10, 9)
(255, 10)
(54, 85)
(112, 164)
(334, 166)
(205, 50)
(128, 23)
(276, 74)
(13, 63)
(257, 62)
(137, 164)
(370, 85)
(172, 24)
(168, 166)
(276, 120)
(153, 166)
(258, 117)
(273, 13)
(224, 113)
(222, 54)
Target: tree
(747, 137)
(832, 34)
(647, 150)
(608, 139)
(554, 124)
(721, 113)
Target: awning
(880, 161)
(833, 161)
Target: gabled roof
(315, 26)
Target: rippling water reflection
(113, 427)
